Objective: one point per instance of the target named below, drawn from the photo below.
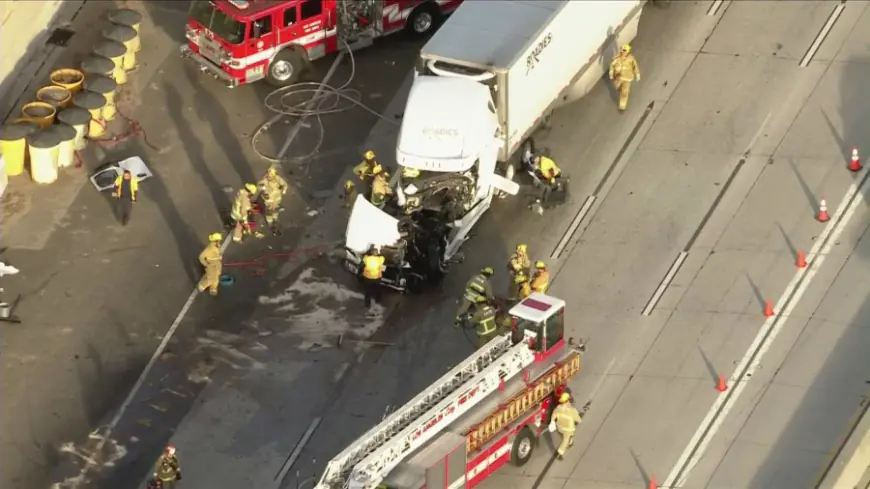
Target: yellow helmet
(348, 185)
(522, 248)
(410, 172)
(377, 169)
(215, 237)
(272, 171)
(520, 278)
(369, 155)
(251, 188)
(487, 271)
(565, 397)
(540, 265)
(626, 48)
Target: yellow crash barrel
(68, 78)
(13, 145)
(43, 155)
(39, 112)
(126, 36)
(98, 65)
(77, 118)
(115, 51)
(66, 152)
(58, 97)
(106, 87)
(93, 103)
(128, 18)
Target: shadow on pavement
(840, 387)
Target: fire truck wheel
(423, 19)
(523, 447)
(286, 68)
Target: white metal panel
(556, 56)
(492, 33)
(369, 226)
(537, 307)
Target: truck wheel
(423, 19)
(523, 447)
(286, 68)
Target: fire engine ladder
(381, 448)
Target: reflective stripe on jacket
(485, 321)
(372, 266)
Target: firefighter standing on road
(241, 210)
(541, 278)
(274, 187)
(478, 290)
(372, 271)
(623, 71)
(566, 418)
(167, 470)
(126, 188)
(365, 170)
(485, 320)
(521, 287)
(380, 187)
(519, 262)
(212, 261)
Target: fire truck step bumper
(206, 66)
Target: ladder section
(338, 469)
(372, 470)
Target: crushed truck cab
(487, 411)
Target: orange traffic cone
(801, 260)
(721, 386)
(768, 309)
(855, 164)
(652, 483)
(823, 215)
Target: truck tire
(286, 68)
(523, 447)
(423, 19)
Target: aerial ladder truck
(487, 411)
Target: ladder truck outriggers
(487, 411)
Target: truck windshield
(219, 23)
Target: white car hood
(369, 226)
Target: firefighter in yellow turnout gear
(521, 287)
(365, 170)
(485, 320)
(566, 418)
(241, 210)
(541, 279)
(478, 291)
(167, 470)
(273, 187)
(623, 71)
(380, 187)
(212, 262)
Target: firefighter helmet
(272, 171)
(487, 271)
(522, 248)
(410, 172)
(369, 155)
(626, 49)
(212, 238)
(540, 265)
(377, 169)
(170, 450)
(565, 397)
(251, 188)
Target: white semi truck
(483, 83)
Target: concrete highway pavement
(97, 298)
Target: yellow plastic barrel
(77, 118)
(68, 78)
(57, 96)
(126, 36)
(128, 18)
(66, 152)
(93, 103)
(39, 112)
(43, 146)
(115, 51)
(13, 145)
(106, 87)
(98, 65)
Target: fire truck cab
(242, 41)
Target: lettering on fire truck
(446, 412)
(531, 396)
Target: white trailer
(496, 69)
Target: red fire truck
(486, 412)
(240, 41)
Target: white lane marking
(666, 282)
(288, 464)
(714, 9)
(822, 35)
(750, 362)
(184, 310)
(566, 238)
